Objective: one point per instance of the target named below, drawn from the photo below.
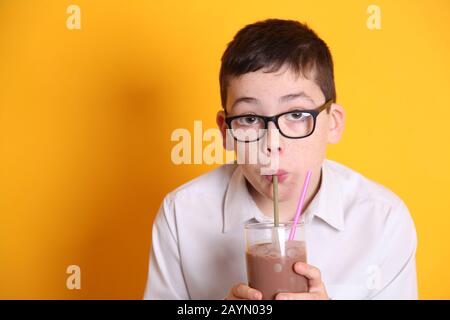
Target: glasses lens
(296, 124)
(247, 128)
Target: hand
(242, 291)
(316, 287)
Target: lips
(281, 174)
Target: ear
(220, 120)
(337, 123)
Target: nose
(273, 139)
(269, 149)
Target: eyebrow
(283, 99)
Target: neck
(288, 207)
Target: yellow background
(86, 117)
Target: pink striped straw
(300, 205)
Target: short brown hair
(273, 43)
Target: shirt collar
(239, 206)
(328, 203)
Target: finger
(310, 272)
(232, 295)
(297, 296)
(243, 291)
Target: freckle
(277, 267)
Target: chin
(284, 193)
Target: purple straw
(300, 205)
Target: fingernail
(256, 296)
(281, 297)
(299, 266)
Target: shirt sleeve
(165, 276)
(398, 278)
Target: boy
(360, 236)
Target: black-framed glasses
(294, 124)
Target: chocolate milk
(271, 272)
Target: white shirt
(359, 234)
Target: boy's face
(295, 156)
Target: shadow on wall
(125, 197)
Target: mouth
(281, 174)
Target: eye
(297, 116)
(248, 120)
